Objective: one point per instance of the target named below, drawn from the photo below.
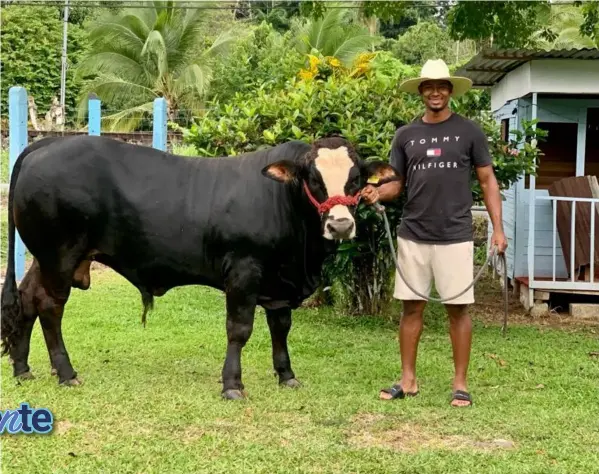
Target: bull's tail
(148, 303)
(11, 320)
(12, 311)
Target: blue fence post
(17, 129)
(93, 114)
(159, 134)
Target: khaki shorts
(451, 266)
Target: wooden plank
(546, 251)
(594, 187)
(523, 280)
(575, 187)
(564, 215)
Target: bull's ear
(283, 171)
(378, 172)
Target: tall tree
(590, 25)
(81, 11)
(394, 16)
(563, 30)
(143, 53)
(276, 13)
(31, 38)
(411, 15)
(505, 24)
(427, 40)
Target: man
(435, 155)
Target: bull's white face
(334, 167)
(330, 170)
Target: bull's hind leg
(51, 310)
(81, 281)
(54, 293)
(241, 295)
(20, 352)
(279, 323)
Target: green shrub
(31, 40)
(184, 150)
(363, 110)
(366, 110)
(263, 59)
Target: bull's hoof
(291, 383)
(25, 376)
(71, 382)
(233, 394)
(53, 372)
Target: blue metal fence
(17, 117)
(17, 135)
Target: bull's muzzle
(340, 229)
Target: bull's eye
(314, 183)
(354, 184)
(316, 187)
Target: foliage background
(31, 39)
(362, 104)
(300, 70)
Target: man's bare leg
(460, 332)
(410, 329)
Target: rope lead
(381, 210)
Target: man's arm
(492, 198)
(390, 191)
(384, 192)
(483, 164)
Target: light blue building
(561, 89)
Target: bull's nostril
(341, 226)
(346, 228)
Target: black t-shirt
(436, 161)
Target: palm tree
(143, 53)
(562, 31)
(337, 34)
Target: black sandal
(461, 395)
(397, 392)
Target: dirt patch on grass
(488, 305)
(488, 308)
(63, 426)
(192, 434)
(409, 437)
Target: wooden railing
(588, 282)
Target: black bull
(162, 221)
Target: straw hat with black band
(436, 70)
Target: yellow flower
(314, 61)
(333, 61)
(306, 74)
(359, 70)
(365, 57)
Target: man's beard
(438, 108)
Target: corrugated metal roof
(488, 67)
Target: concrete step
(586, 311)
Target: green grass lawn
(4, 165)
(150, 399)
